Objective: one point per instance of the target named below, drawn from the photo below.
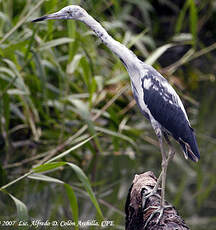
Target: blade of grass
(119, 135)
(69, 150)
(193, 21)
(157, 53)
(41, 177)
(73, 203)
(85, 181)
(71, 27)
(55, 42)
(48, 167)
(181, 18)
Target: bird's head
(69, 12)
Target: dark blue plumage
(165, 109)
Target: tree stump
(136, 217)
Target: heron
(156, 98)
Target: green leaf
(115, 134)
(85, 181)
(10, 49)
(72, 66)
(22, 211)
(86, 71)
(181, 18)
(193, 20)
(19, 82)
(48, 167)
(16, 92)
(182, 37)
(81, 108)
(73, 203)
(8, 72)
(56, 42)
(69, 150)
(157, 53)
(71, 28)
(37, 176)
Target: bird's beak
(58, 15)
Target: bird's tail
(189, 146)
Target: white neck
(128, 58)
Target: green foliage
(22, 212)
(193, 23)
(65, 103)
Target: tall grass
(68, 117)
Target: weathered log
(137, 215)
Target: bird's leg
(171, 148)
(165, 160)
(164, 165)
(170, 156)
(153, 192)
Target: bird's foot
(157, 210)
(148, 193)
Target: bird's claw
(158, 210)
(149, 193)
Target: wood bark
(136, 217)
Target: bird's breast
(138, 93)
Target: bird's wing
(163, 103)
(159, 102)
(165, 106)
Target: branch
(135, 215)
